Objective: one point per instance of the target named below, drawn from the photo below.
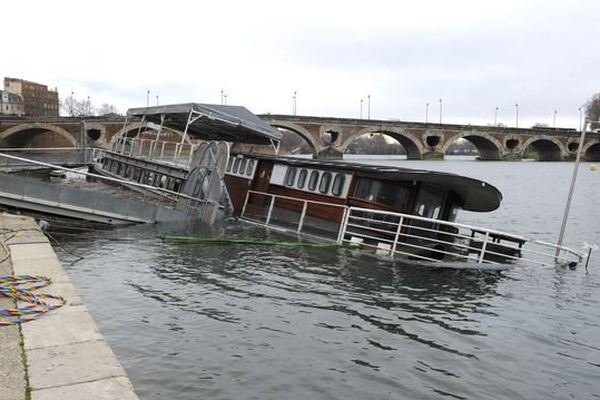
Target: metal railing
(292, 213)
(169, 207)
(174, 153)
(434, 240)
(52, 155)
(395, 234)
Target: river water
(249, 322)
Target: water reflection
(226, 282)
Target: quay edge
(63, 354)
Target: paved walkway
(62, 355)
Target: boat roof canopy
(476, 195)
(211, 122)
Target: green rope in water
(221, 241)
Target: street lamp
(440, 111)
(89, 106)
(368, 106)
(71, 105)
(222, 96)
(496, 117)
(426, 112)
(361, 104)
(580, 109)
(156, 99)
(517, 115)
(148, 98)
(294, 104)
(554, 119)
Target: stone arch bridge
(431, 141)
(421, 141)
(52, 132)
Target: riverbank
(61, 355)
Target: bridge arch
(591, 151)
(488, 146)
(34, 129)
(300, 131)
(413, 147)
(548, 148)
(135, 126)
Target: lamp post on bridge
(369, 106)
(71, 104)
(496, 116)
(426, 112)
(517, 115)
(580, 109)
(148, 98)
(294, 104)
(440, 111)
(361, 104)
(554, 119)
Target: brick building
(11, 104)
(37, 99)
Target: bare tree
(592, 110)
(73, 107)
(107, 110)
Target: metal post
(571, 189)
(270, 210)
(302, 216)
(396, 237)
(426, 112)
(344, 225)
(483, 247)
(440, 110)
(369, 106)
(162, 150)
(554, 119)
(496, 117)
(361, 104)
(517, 115)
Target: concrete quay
(61, 355)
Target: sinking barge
(388, 211)
(173, 179)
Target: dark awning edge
(212, 122)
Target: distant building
(37, 99)
(11, 104)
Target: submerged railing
(170, 206)
(395, 234)
(176, 153)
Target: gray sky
(474, 55)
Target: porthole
(290, 176)
(302, 178)
(236, 165)
(312, 181)
(325, 182)
(338, 184)
(250, 167)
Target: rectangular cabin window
(387, 193)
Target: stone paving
(66, 356)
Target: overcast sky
(474, 55)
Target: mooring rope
(20, 288)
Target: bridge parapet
(432, 141)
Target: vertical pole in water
(573, 180)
